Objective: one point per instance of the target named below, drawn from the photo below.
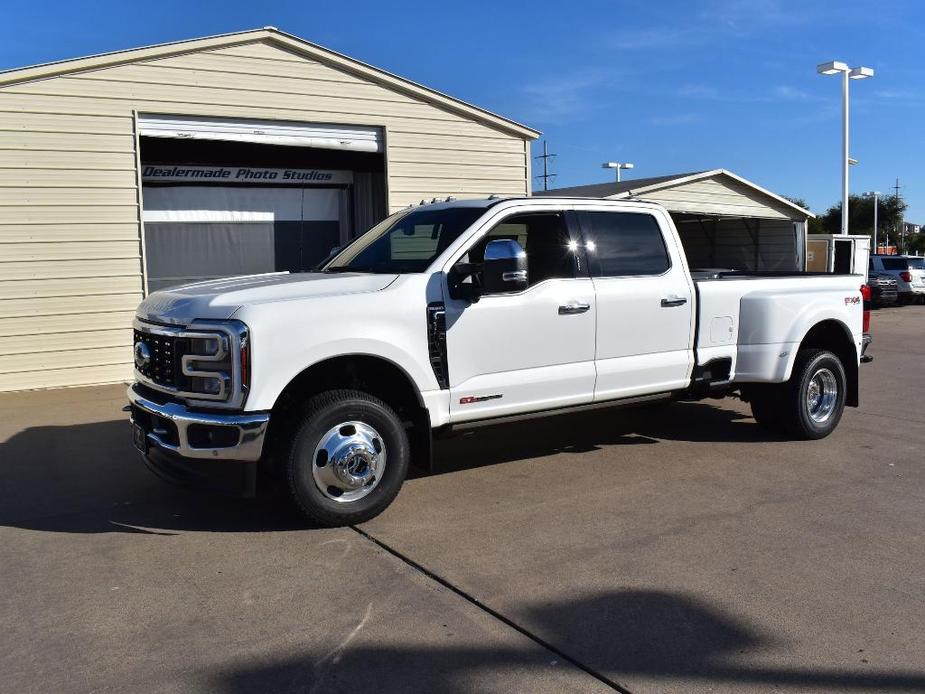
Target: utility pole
(902, 230)
(545, 156)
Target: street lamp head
(833, 67)
(860, 73)
(628, 166)
(871, 194)
(852, 161)
(610, 165)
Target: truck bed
(757, 319)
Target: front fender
(269, 382)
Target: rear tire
(814, 397)
(766, 402)
(347, 459)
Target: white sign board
(243, 174)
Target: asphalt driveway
(671, 549)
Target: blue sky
(670, 86)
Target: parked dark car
(883, 289)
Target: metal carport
(724, 220)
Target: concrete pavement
(666, 549)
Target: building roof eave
(288, 41)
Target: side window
(621, 244)
(545, 238)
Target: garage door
(194, 233)
(355, 138)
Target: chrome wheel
(822, 395)
(349, 461)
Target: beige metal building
(249, 152)
(724, 220)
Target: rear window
(894, 263)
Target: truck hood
(220, 299)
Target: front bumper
(172, 427)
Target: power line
(545, 176)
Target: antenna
(545, 156)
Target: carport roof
(640, 186)
(288, 41)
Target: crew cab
(463, 313)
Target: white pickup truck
(459, 313)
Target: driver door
(529, 350)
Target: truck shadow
(87, 478)
(621, 636)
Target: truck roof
(485, 203)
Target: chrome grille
(163, 367)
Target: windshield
(408, 241)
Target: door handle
(673, 301)
(573, 307)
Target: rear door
(644, 303)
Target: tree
(915, 243)
(814, 225)
(890, 211)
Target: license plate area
(139, 438)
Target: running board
(540, 414)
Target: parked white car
(908, 270)
(463, 313)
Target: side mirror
(504, 268)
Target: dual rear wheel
(810, 404)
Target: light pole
(617, 165)
(834, 67)
(876, 196)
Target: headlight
(216, 362)
(208, 364)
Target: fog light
(204, 436)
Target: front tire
(348, 458)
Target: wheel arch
(369, 373)
(834, 336)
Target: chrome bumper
(252, 429)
